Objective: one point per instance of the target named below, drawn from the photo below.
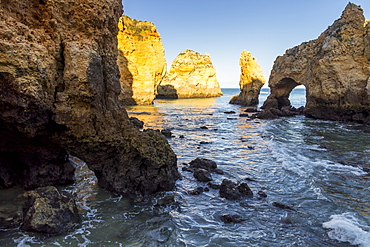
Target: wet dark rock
(229, 190)
(229, 112)
(286, 111)
(219, 171)
(206, 189)
(181, 136)
(165, 200)
(250, 109)
(204, 143)
(196, 191)
(243, 115)
(204, 127)
(137, 122)
(214, 186)
(245, 190)
(251, 179)
(186, 168)
(232, 218)
(261, 193)
(202, 175)
(49, 212)
(281, 205)
(244, 204)
(167, 133)
(203, 163)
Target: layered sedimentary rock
(141, 61)
(192, 75)
(334, 68)
(251, 80)
(59, 87)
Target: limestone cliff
(192, 75)
(334, 68)
(141, 61)
(251, 81)
(59, 87)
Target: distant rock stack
(141, 61)
(192, 75)
(251, 81)
(334, 68)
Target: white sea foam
(347, 228)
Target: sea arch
(280, 93)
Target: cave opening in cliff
(288, 90)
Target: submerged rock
(232, 218)
(203, 163)
(334, 68)
(59, 88)
(141, 61)
(202, 175)
(192, 75)
(229, 190)
(251, 81)
(47, 211)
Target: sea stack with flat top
(192, 75)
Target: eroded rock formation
(251, 81)
(334, 68)
(59, 87)
(192, 75)
(141, 61)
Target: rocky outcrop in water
(251, 81)
(334, 68)
(192, 75)
(141, 61)
(59, 87)
(47, 211)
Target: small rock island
(192, 75)
(251, 81)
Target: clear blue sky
(226, 28)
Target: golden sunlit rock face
(334, 68)
(192, 75)
(251, 80)
(141, 61)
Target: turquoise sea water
(319, 168)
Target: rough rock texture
(192, 75)
(59, 87)
(141, 61)
(47, 211)
(251, 81)
(334, 68)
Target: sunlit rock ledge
(192, 75)
(334, 68)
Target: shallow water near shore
(318, 168)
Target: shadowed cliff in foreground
(59, 87)
(334, 68)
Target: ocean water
(318, 168)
